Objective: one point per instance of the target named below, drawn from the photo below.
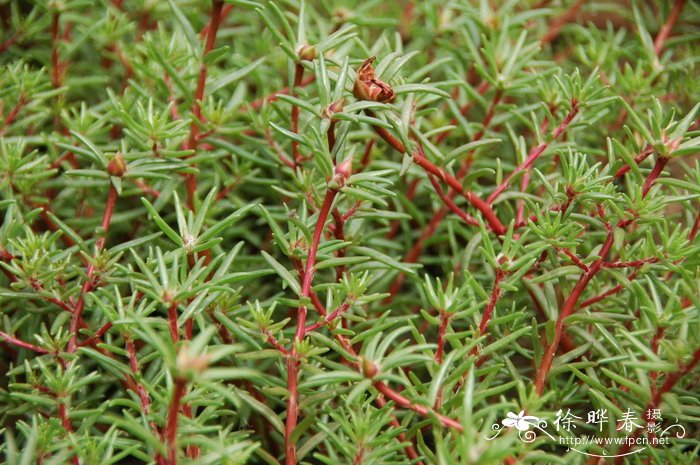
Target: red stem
(428, 166)
(654, 175)
(535, 153)
(292, 361)
(417, 248)
(584, 279)
(379, 401)
(13, 114)
(172, 322)
(495, 294)
(634, 263)
(96, 337)
(330, 317)
(401, 437)
(568, 309)
(8, 43)
(89, 283)
(671, 381)
(275, 343)
(213, 27)
(56, 74)
(643, 155)
(20, 343)
(419, 409)
(66, 424)
(694, 229)
(171, 426)
(451, 205)
(655, 348)
(577, 261)
(556, 25)
(665, 30)
(483, 207)
(442, 329)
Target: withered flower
(368, 87)
(117, 166)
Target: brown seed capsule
(368, 87)
(117, 166)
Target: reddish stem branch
(488, 213)
(567, 310)
(613, 291)
(272, 340)
(89, 284)
(694, 229)
(439, 353)
(95, 338)
(671, 380)
(401, 437)
(20, 343)
(171, 426)
(402, 401)
(577, 261)
(292, 361)
(557, 25)
(442, 329)
(665, 30)
(643, 155)
(655, 341)
(225, 11)
(495, 294)
(379, 401)
(571, 302)
(429, 230)
(535, 153)
(65, 421)
(634, 263)
(13, 113)
(8, 43)
(213, 28)
(330, 317)
(172, 322)
(654, 175)
(56, 66)
(450, 203)
(140, 390)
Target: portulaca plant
(349, 232)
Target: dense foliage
(232, 235)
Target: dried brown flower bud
(306, 52)
(335, 107)
(368, 87)
(117, 166)
(369, 368)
